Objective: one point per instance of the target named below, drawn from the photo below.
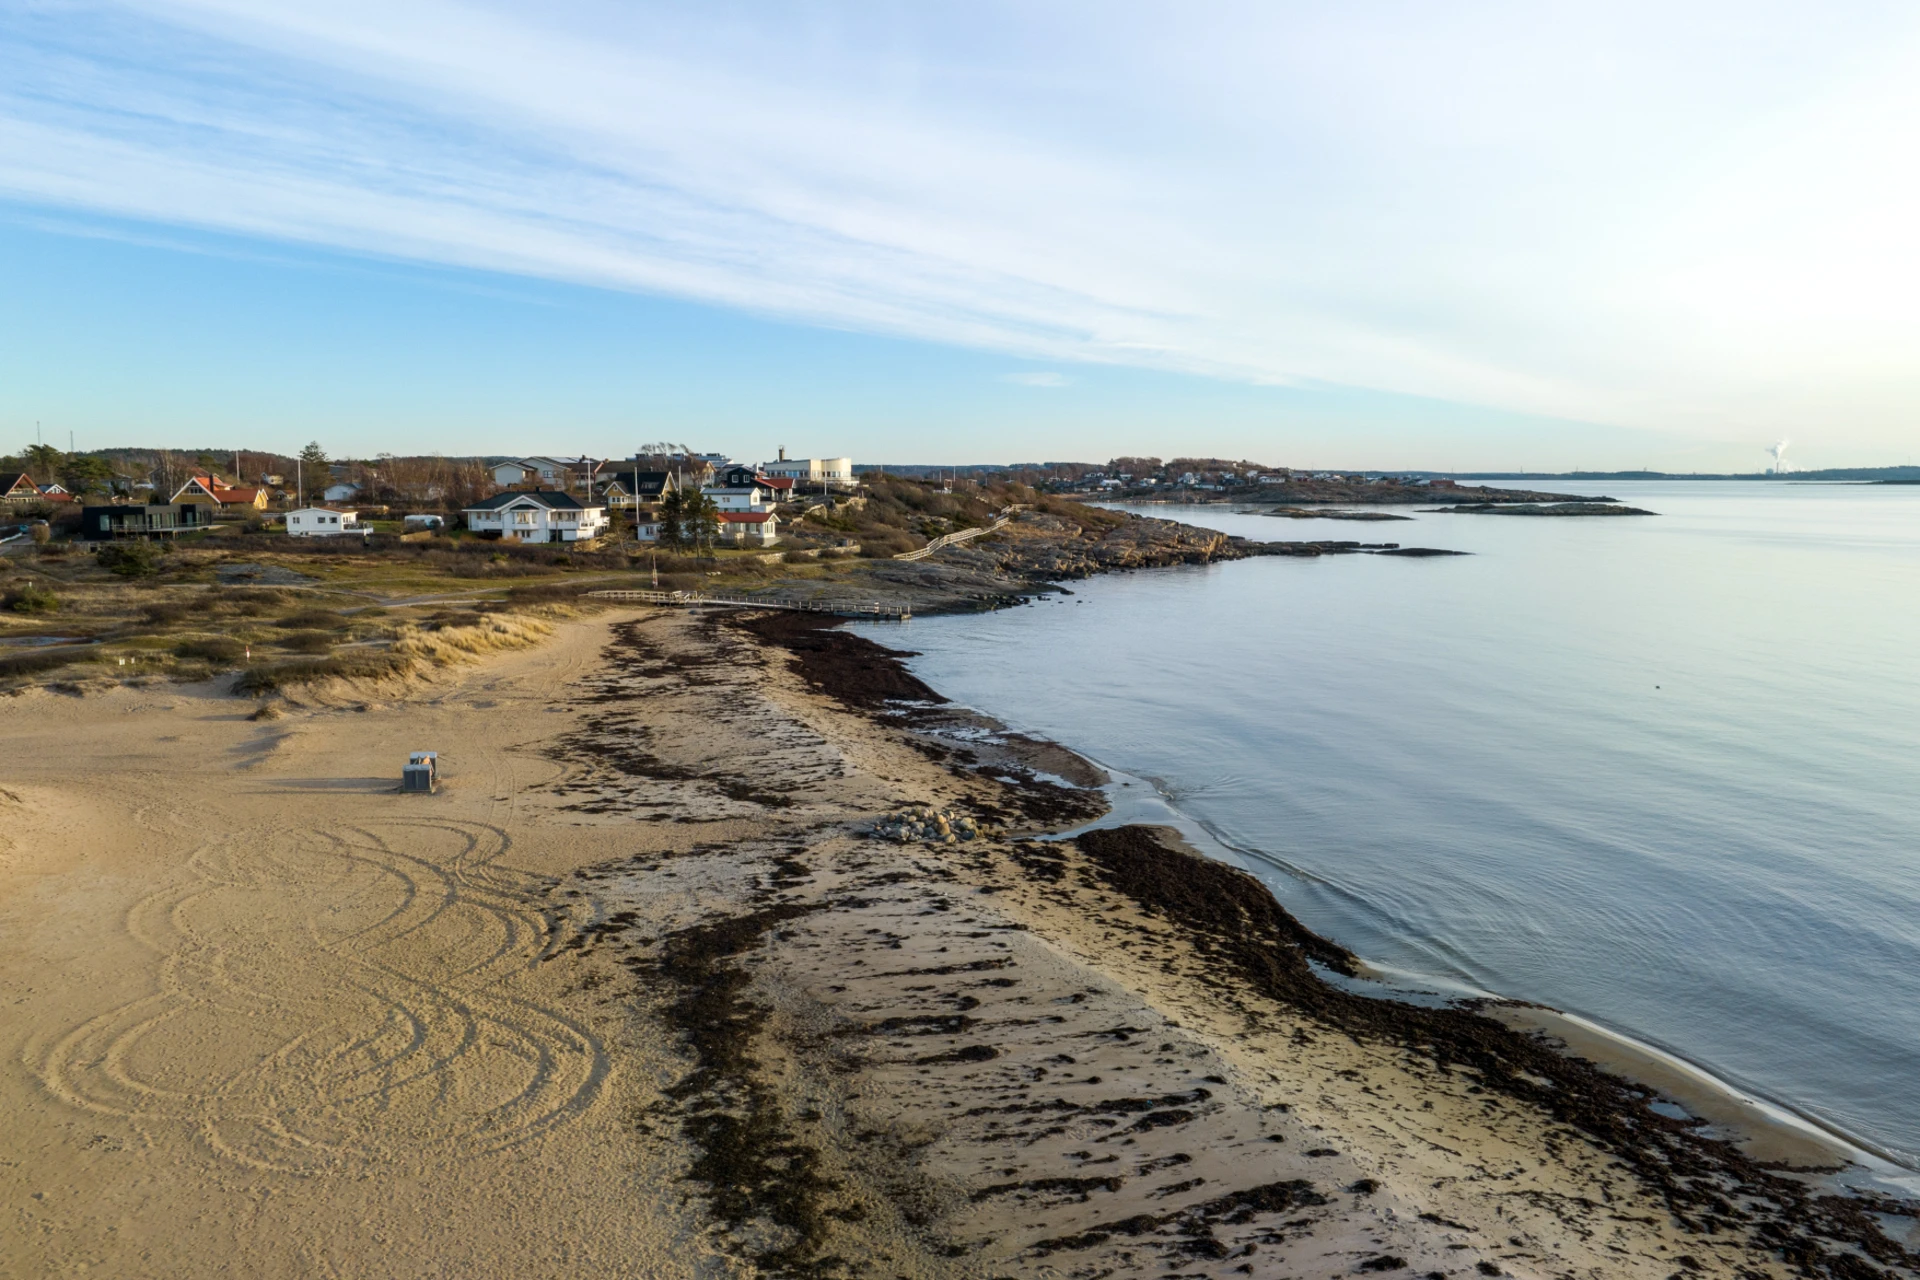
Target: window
(523, 516)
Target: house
(751, 528)
(21, 489)
(563, 474)
(630, 488)
(340, 491)
(323, 522)
(751, 496)
(811, 471)
(148, 520)
(214, 492)
(537, 515)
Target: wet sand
(638, 993)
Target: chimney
(783, 454)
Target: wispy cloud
(1042, 378)
(1540, 212)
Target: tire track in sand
(324, 999)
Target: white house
(747, 497)
(323, 522)
(537, 515)
(340, 491)
(805, 471)
(548, 473)
(753, 528)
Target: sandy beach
(640, 993)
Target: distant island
(1539, 509)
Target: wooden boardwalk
(878, 609)
(962, 535)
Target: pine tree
(673, 506)
(699, 520)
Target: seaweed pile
(1707, 1184)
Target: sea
(1661, 772)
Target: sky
(1373, 234)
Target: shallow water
(1661, 772)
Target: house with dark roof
(537, 515)
(626, 489)
(143, 520)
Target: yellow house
(209, 491)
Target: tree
(699, 520)
(313, 455)
(673, 507)
(129, 559)
(43, 460)
(86, 475)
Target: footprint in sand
(323, 999)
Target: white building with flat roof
(803, 471)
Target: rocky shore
(1350, 491)
(1039, 550)
(1540, 509)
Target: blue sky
(1378, 234)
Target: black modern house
(149, 520)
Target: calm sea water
(1663, 773)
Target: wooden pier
(878, 609)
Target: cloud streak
(1550, 216)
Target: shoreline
(1767, 1128)
(780, 1040)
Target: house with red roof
(212, 491)
(750, 528)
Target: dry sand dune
(636, 994)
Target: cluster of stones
(934, 826)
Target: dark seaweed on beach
(1708, 1185)
(749, 1161)
(851, 669)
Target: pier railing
(877, 609)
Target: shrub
(360, 664)
(548, 592)
(308, 641)
(310, 619)
(26, 664)
(31, 597)
(164, 612)
(129, 559)
(221, 650)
